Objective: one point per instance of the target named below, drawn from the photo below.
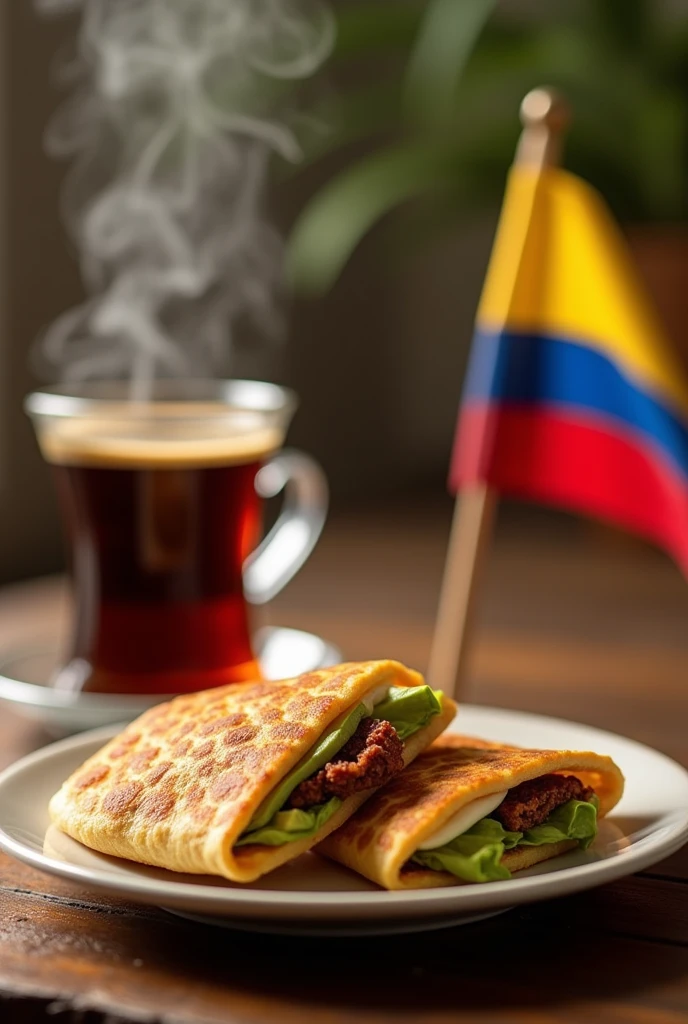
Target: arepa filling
(362, 749)
(550, 809)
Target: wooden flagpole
(543, 115)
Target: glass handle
(290, 541)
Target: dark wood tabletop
(572, 623)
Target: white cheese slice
(375, 696)
(463, 820)
(370, 699)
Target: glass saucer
(25, 675)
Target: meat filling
(532, 802)
(370, 758)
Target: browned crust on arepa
(379, 840)
(179, 785)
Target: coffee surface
(160, 436)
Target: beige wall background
(38, 279)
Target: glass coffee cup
(161, 501)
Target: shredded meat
(532, 802)
(370, 758)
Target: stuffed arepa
(237, 780)
(471, 811)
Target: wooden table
(569, 628)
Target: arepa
(469, 811)
(238, 780)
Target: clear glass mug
(161, 502)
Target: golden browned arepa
(382, 837)
(179, 786)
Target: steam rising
(178, 107)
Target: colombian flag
(573, 396)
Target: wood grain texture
(565, 629)
(146, 962)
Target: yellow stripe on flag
(560, 267)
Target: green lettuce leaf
(575, 820)
(287, 826)
(474, 856)
(409, 708)
(325, 749)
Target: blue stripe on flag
(527, 369)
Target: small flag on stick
(573, 395)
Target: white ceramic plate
(314, 896)
(25, 681)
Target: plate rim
(319, 904)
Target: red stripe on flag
(549, 457)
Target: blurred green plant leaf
(661, 138)
(446, 38)
(451, 91)
(336, 220)
(621, 24)
(376, 27)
